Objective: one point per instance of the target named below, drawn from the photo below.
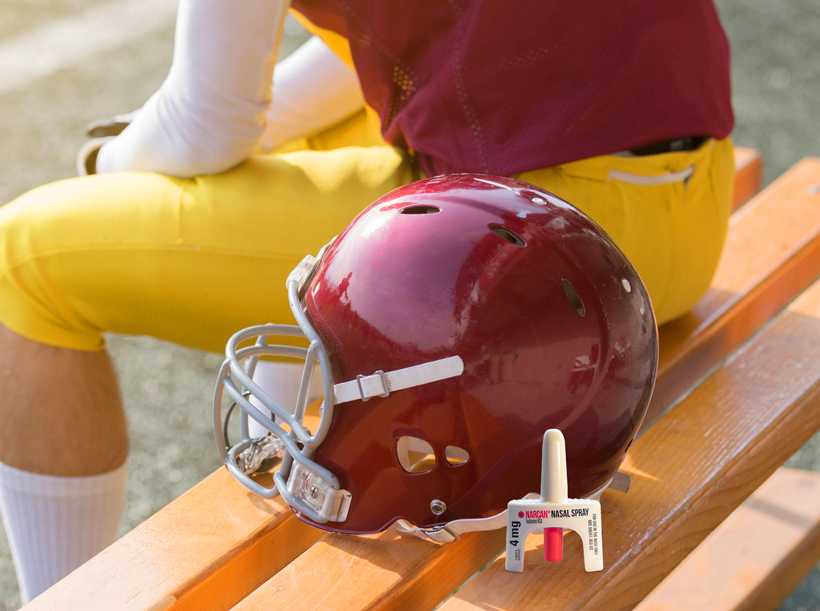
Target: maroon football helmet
(455, 320)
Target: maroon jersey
(501, 87)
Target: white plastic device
(553, 512)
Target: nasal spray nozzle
(553, 512)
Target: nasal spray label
(553, 512)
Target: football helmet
(454, 321)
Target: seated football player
(220, 181)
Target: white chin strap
(453, 530)
(381, 384)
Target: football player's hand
(100, 132)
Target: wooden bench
(219, 547)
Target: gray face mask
(304, 484)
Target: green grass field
(167, 389)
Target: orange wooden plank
(748, 175)
(185, 570)
(756, 557)
(772, 252)
(689, 472)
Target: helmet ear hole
(573, 298)
(415, 455)
(456, 456)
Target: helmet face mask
(309, 488)
(456, 319)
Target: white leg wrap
(54, 524)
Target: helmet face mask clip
(443, 326)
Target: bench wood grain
(756, 557)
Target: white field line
(69, 41)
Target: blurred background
(64, 63)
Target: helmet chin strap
(381, 384)
(453, 530)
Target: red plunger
(553, 544)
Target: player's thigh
(191, 261)
(669, 213)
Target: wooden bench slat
(384, 571)
(690, 471)
(772, 252)
(748, 175)
(205, 550)
(756, 557)
(181, 567)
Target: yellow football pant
(194, 261)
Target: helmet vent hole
(456, 456)
(573, 298)
(415, 455)
(420, 210)
(508, 235)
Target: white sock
(281, 381)
(54, 524)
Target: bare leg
(60, 409)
